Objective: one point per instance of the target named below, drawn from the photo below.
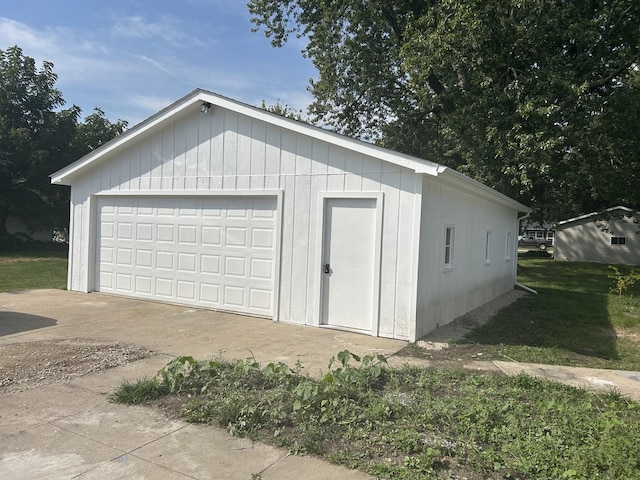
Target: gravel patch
(33, 364)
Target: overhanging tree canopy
(538, 99)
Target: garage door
(214, 252)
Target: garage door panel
(144, 232)
(143, 284)
(211, 236)
(123, 282)
(260, 299)
(262, 238)
(164, 260)
(165, 232)
(188, 234)
(214, 252)
(261, 269)
(164, 287)
(144, 258)
(236, 237)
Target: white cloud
(131, 66)
(167, 29)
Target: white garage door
(215, 252)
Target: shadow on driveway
(17, 322)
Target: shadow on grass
(567, 321)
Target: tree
(284, 110)
(37, 137)
(519, 95)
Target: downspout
(515, 266)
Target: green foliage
(37, 138)
(623, 282)
(284, 110)
(413, 423)
(137, 392)
(538, 99)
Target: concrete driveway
(174, 330)
(72, 431)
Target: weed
(413, 423)
(623, 282)
(137, 392)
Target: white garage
(216, 204)
(205, 251)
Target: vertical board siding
(444, 295)
(226, 151)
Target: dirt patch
(438, 345)
(29, 365)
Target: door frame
(378, 197)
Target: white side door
(348, 263)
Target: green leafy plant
(623, 282)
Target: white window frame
(487, 247)
(449, 246)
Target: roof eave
(468, 184)
(594, 214)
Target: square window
(618, 240)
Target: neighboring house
(538, 231)
(217, 204)
(610, 237)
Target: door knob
(327, 268)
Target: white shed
(217, 204)
(612, 236)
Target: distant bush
(22, 243)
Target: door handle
(327, 268)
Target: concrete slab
(47, 451)
(627, 383)
(309, 468)
(131, 468)
(177, 330)
(203, 452)
(72, 430)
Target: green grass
(32, 270)
(409, 423)
(574, 320)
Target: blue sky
(133, 57)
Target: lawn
(575, 319)
(409, 423)
(32, 270)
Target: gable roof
(197, 97)
(624, 210)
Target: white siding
(589, 240)
(444, 294)
(225, 151)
